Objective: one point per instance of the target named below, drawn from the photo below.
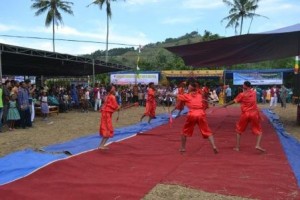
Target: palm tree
(108, 16)
(53, 16)
(240, 10)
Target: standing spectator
(86, 99)
(44, 105)
(31, 89)
(97, 97)
(179, 104)
(14, 87)
(283, 96)
(222, 96)
(228, 93)
(66, 99)
(264, 96)
(13, 113)
(141, 97)
(268, 95)
(135, 92)
(274, 96)
(6, 97)
(23, 101)
(74, 95)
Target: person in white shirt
(97, 97)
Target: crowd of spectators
(20, 99)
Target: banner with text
(257, 78)
(140, 78)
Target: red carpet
(131, 168)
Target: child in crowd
(86, 100)
(44, 105)
(13, 113)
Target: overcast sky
(134, 22)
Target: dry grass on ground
(63, 127)
(74, 124)
(171, 192)
(288, 116)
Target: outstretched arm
(228, 104)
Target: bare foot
(103, 147)
(260, 149)
(182, 150)
(236, 149)
(216, 151)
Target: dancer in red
(250, 113)
(179, 104)
(150, 103)
(195, 116)
(109, 107)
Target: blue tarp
(22, 163)
(290, 144)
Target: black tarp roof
(25, 61)
(250, 48)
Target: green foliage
(239, 11)
(54, 17)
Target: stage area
(132, 167)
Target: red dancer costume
(195, 116)
(150, 103)
(109, 107)
(180, 104)
(250, 113)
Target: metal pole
(93, 72)
(1, 65)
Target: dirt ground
(74, 124)
(63, 127)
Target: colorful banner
(126, 79)
(257, 78)
(193, 73)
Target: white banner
(257, 78)
(127, 79)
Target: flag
(296, 70)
